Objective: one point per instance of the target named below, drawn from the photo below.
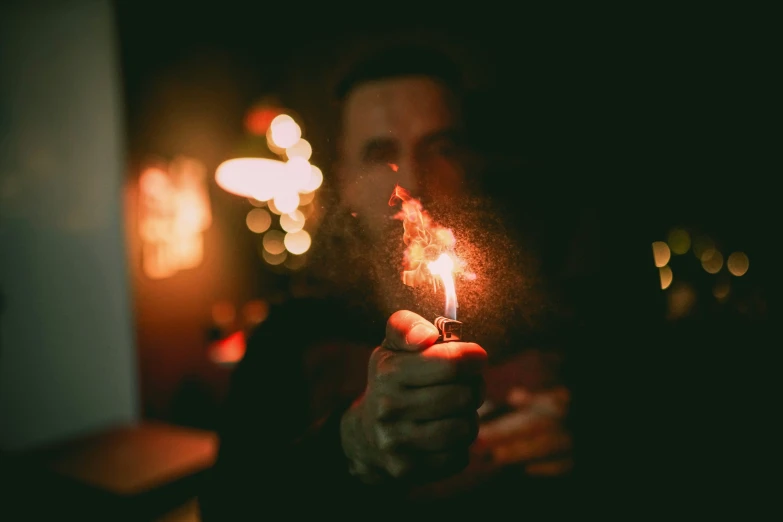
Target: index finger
(407, 331)
(442, 364)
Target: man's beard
(507, 304)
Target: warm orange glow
(721, 290)
(712, 261)
(228, 351)
(292, 222)
(443, 267)
(286, 201)
(394, 167)
(285, 132)
(259, 119)
(738, 263)
(427, 243)
(223, 314)
(666, 276)
(306, 198)
(273, 242)
(174, 212)
(661, 253)
(301, 149)
(258, 220)
(315, 180)
(295, 262)
(297, 175)
(255, 312)
(256, 178)
(274, 259)
(297, 242)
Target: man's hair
(401, 61)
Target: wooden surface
(134, 459)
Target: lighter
(449, 329)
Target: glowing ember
(429, 252)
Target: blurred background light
(305, 198)
(293, 221)
(286, 201)
(738, 263)
(285, 132)
(258, 220)
(274, 259)
(249, 177)
(316, 178)
(702, 244)
(712, 261)
(679, 241)
(301, 149)
(666, 275)
(273, 242)
(255, 312)
(661, 253)
(297, 242)
(721, 290)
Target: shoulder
(318, 318)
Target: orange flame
(430, 249)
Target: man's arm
(268, 453)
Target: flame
(430, 250)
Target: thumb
(409, 332)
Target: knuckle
(385, 439)
(386, 408)
(398, 468)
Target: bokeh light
(295, 262)
(298, 173)
(306, 198)
(702, 244)
(666, 275)
(256, 203)
(273, 242)
(661, 253)
(301, 149)
(297, 242)
(274, 259)
(271, 143)
(255, 312)
(315, 181)
(249, 177)
(712, 261)
(738, 263)
(721, 290)
(258, 220)
(285, 131)
(286, 201)
(258, 119)
(223, 313)
(679, 241)
(307, 210)
(273, 208)
(293, 221)
(681, 300)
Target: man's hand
(417, 418)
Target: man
(390, 432)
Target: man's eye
(381, 155)
(445, 148)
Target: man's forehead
(400, 107)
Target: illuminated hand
(532, 434)
(417, 418)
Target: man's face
(401, 131)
